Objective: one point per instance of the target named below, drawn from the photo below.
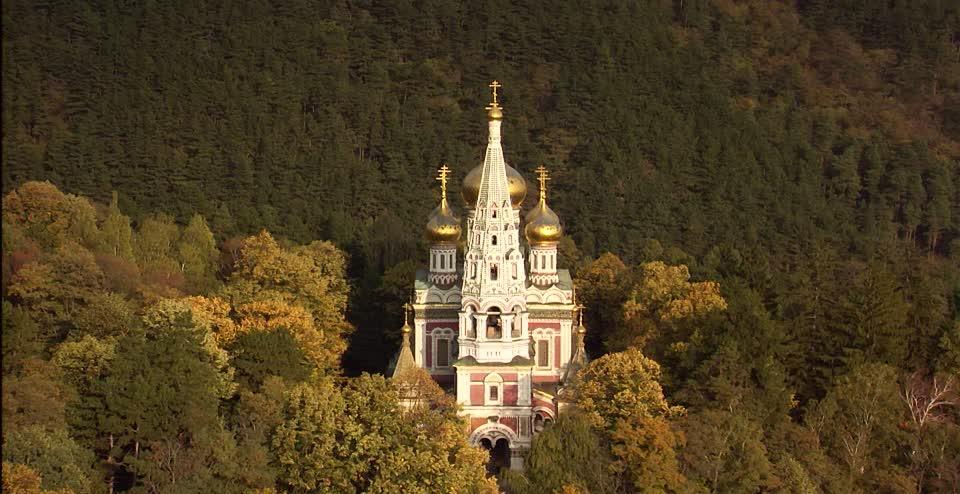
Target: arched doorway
(497, 439)
(499, 450)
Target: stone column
(480, 326)
(506, 327)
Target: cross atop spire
(580, 308)
(406, 317)
(442, 175)
(494, 85)
(542, 176)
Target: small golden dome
(494, 112)
(543, 225)
(516, 186)
(443, 226)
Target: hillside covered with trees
(212, 213)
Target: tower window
(494, 213)
(494, 272)
(443, 353)
(543, 353)
(514, 270)
(443, 262)
(493, 240)
(492, 383)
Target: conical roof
(405, 360)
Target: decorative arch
(554, 298)
(493, 431)
(545, 411)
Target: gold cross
(494, 85)
(406, 313)
(543, 178)
(442, 177)
(580, 308)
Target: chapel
(495, 319)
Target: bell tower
(493, 309)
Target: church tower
(493, 309)
(497, 329)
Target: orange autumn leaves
(301, 289)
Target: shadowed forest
(212, 212)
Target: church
(497, 327)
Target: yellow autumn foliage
(662, 296)
(322, 347)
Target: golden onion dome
(516, 186)
(543, 225)
(443, 226)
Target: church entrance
(499, 455)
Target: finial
(493, 109)
(406, 317)
(542, 176)
(580, 308)
(442, 174)
(494, 85)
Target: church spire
(493, 311)
(405, 360)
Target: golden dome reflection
(516, 186)
(443, 226)
(543, 225)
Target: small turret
(543, 231)
(443, 231)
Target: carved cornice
(551, 314)
(426, 313)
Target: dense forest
(212, 212)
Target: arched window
(494, 213)
(543, 339)
(493, 240)
(514, 269)
(493, 389)
(494, 272)
(442, 347)
(494, 324)
(443, 262)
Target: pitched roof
(405, 360)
